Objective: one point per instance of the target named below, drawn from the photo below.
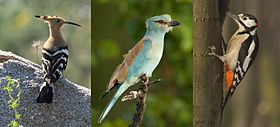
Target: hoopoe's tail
(45, 94)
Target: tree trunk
(208, 71)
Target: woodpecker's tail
(120, 90)
(229, 94)
(46, 94)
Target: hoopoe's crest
(55, 21)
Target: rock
(71, 102)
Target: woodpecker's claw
(212, 48)
(212, 53)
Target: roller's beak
(72, 23)
(174, 23)
(234, 17)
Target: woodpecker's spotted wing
(247, 55)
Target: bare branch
(141, 93)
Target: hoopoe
(54, 56)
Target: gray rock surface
(70, 106)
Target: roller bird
(141, 60)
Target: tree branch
(141, 93)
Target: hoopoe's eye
(58, 21)
(244, 18)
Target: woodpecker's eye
(58, 21)
(244, 18)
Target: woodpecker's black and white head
(247, 23)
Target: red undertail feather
(229, 77)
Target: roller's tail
(46, 94)
(120, 90)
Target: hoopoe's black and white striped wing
(54, 63)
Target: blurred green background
(117, 27)
(19, 29)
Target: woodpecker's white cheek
(250, 23)
(248, 57)
(240, 27)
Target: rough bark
(208, 71)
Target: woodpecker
(54, 56)
(241, 52)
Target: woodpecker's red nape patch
(229, 77)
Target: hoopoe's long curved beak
(72, 23)
(37, 16)
(48, 18)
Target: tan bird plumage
(121, 71)
(54, 56)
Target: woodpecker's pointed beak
(72, 23)
(174, 23)
(233, 16)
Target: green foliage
(13, 88)
(110, 49)
(123, 23)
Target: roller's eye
(244, 18)
(160, 21)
